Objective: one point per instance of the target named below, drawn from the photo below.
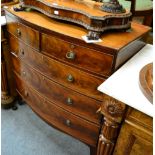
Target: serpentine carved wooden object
(86, 13)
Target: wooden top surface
(114, 40)
(86, 6)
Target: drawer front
(23, 32)
(70, 77)
(59, 118)
(85, 58)
(73, 102)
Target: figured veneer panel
(79, 56)
(61, 96)
(23, 32)
(134, 140)
(68, 76)
(57, 117)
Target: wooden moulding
(146, 81)
(86, 13)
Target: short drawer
(85, 58)
(57, 117)
(23, 32)
(68, 76)
(76, 103)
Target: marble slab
(123, 85)
(3, 20)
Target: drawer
(23, 32)
(70, 77)
(66, 98)
(85, 58)
(57, 117)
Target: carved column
(113, 112)
(6, 98)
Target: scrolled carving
(113, 107)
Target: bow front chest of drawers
(57, 73)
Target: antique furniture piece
(86, 13)
(140, 8)
(136, 134)
(57, 73)
(6, 98)
(113, 6)
(146, 81)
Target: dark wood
(45, 78)
(136, 135)
(86, 58)
(24, 33)
(113, 112)
(80, 81)
(146, 81)
(90, 16)
(58, 117)
(61, 96)
(6, 97)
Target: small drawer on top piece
(74, 102)
(23, 32)
(84, 130)
(82, 57)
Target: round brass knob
(70, 55)
(26, 93)
(70, 78)
(68, 122)
(19, 32)
(69, 101)
(24, 73)
(21, 51)
(72, 46)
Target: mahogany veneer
(57, 74)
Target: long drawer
(23, 32)
(76, 103)
(68, 76)
(82, 57)
(57, 117)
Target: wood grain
(79, 128)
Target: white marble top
(123, 85)
(3, 20)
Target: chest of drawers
(57, 73)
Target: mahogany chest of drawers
(57, 73)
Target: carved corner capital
(112, 109)
(113, 112)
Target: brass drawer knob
(18, 32)
(68, 122)
(70, 78)
(24, 73)
(69, 101)
(26, 93)
(72, 46)
(70, 55)
(21, 51)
